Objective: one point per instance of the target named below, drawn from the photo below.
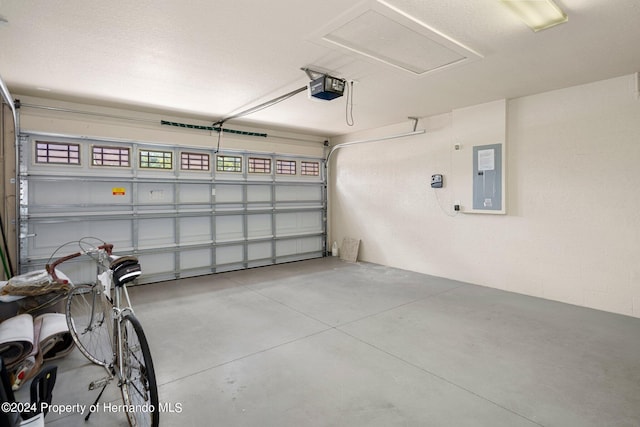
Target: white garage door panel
(229, 228)
(229, 254)
(259, 226)
(52, 196)
(161, 265)
(46, 237)
(228, 193)
(195, 259)
(259, 193)
(155, 194)
(194, 193)
(292, 248)
(117, 231)
(259, 251)
(298, 193)
(195, 229)
(156, 232)
(179, 222)
(298, 222)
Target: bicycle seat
(121, 260)
(125, 269)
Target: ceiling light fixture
(537, 14)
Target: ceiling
(212, 59)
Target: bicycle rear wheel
(89, 319)
(139, 388)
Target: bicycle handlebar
(108, 248)
(51, 268)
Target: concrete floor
(329, 343)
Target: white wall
(572, 228)
(105, 122)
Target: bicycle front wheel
(89, 320)
(139, 388)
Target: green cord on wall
(4, 265)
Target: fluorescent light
(537, 14)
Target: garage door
(182, 211)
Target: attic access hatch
(382, 32)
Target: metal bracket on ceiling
(312, 74)
(415, 122)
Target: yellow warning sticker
(118, 191)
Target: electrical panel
(487, 177)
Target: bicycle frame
(114, 370)
(117, 310)
(119, 313)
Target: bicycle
(105, 330)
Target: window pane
(156, 159)
(110, 156)
(286, 167)
(310, 168)
(259, 165)
(194, 161)
(57, 153)
(229, 164)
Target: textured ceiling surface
(206, 59)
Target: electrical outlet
(436, 181)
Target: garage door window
(110, 156)
(194, 161)
(156, 159)
(309, 168)
(286, 167)
(229, 164)
(57, 153)
(259, 165)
